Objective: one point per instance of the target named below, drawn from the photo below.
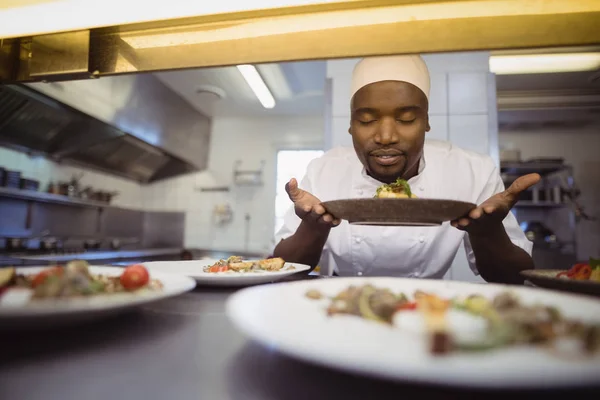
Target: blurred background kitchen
(192, 163)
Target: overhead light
(544, 63)
(258, 86)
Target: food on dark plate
(583, 271)
(238, 265)
(73, 280)
(507, 321)
(400, 189)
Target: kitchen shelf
(531, 204)
(523, 168)
(43, 197)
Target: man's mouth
(387, 158)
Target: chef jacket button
(421, 188)
(357, 240)
(359, 273)
(360, 192)
(421, 239)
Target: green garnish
(400, 186)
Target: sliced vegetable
(43, 275)
(134, 277)
(408, 306)
(364, 305)
(7, 276)
(583, 273)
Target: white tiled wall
(44, 170)
(462, 110)
(250, 140)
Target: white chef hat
(407, 68)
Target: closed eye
(367, 122)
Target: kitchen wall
(462, 110)
(579, 148)
(46, 170)
(250, 140)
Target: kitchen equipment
(536, 231)
(50, 244)
(63, 188)
(117, 243)
(398, 212)
(29, 184)
(105, 197)
(16, 244)
(12, 179)
(546, 160)
(53, 188)
(91, 244)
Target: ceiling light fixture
(544, 63)
(258, 86)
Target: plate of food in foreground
(581, 278)
(234, 271)
(396, 205)
(56, 295)
(428, 331)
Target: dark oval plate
(398, 212)
(546, 278)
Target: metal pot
(91, 244)
(537, 231)
(16, 244)
(49, 243)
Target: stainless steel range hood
(151, 134)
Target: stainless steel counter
(185, 348)
(101, 255)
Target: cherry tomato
(575, 269)
(408, 306)
(134, 277)
(214, 268)
(42, 275)
(583, 274)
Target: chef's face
(388, 124)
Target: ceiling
(527, 101)
(298, 88)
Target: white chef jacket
(445, 172)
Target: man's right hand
(308, 207)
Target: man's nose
(387, 133)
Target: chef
(389, 124)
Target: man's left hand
(488, 216)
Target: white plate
(65, 311)
(193, 269)
(280, 316)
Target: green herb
(400, 186)
(594, 263)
